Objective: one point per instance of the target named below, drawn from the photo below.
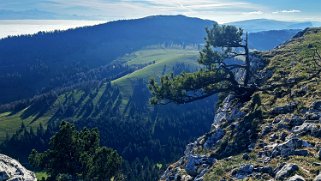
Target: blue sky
(218, 10)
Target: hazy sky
(218, 10)
(18, 27)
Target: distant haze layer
(21, 27)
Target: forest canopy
(77, 155)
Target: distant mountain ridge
(257, 25)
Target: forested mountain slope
(267, 40)
(275, 135)
(121, 111)
(33, 64)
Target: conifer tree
(224, 43)
(77, 155)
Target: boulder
(300, 153)
(285, 109)
(173, 172)
(313, 129)
(296, 178)
(265, 169)
(315, 115)
(289, 148)
(181, 177)
(243, 171)
(213, 138)
(286, 171)
(200, 176)
(245, 156)
(194, 162)
(301, 92)
(12, 170)
(186, 178)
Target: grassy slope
(293, 60)
(164, 59)
(10, 122)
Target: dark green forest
(143, 137)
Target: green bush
(74, 155)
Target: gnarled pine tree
(223, 43)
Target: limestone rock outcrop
(12, 170)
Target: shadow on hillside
(38, 108)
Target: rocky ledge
(275, 135)
(12, 170)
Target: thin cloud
(219, 10)
(287, 11)
(253, 13)
(139, 8)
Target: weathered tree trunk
(247, 62)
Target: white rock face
(12, 170)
